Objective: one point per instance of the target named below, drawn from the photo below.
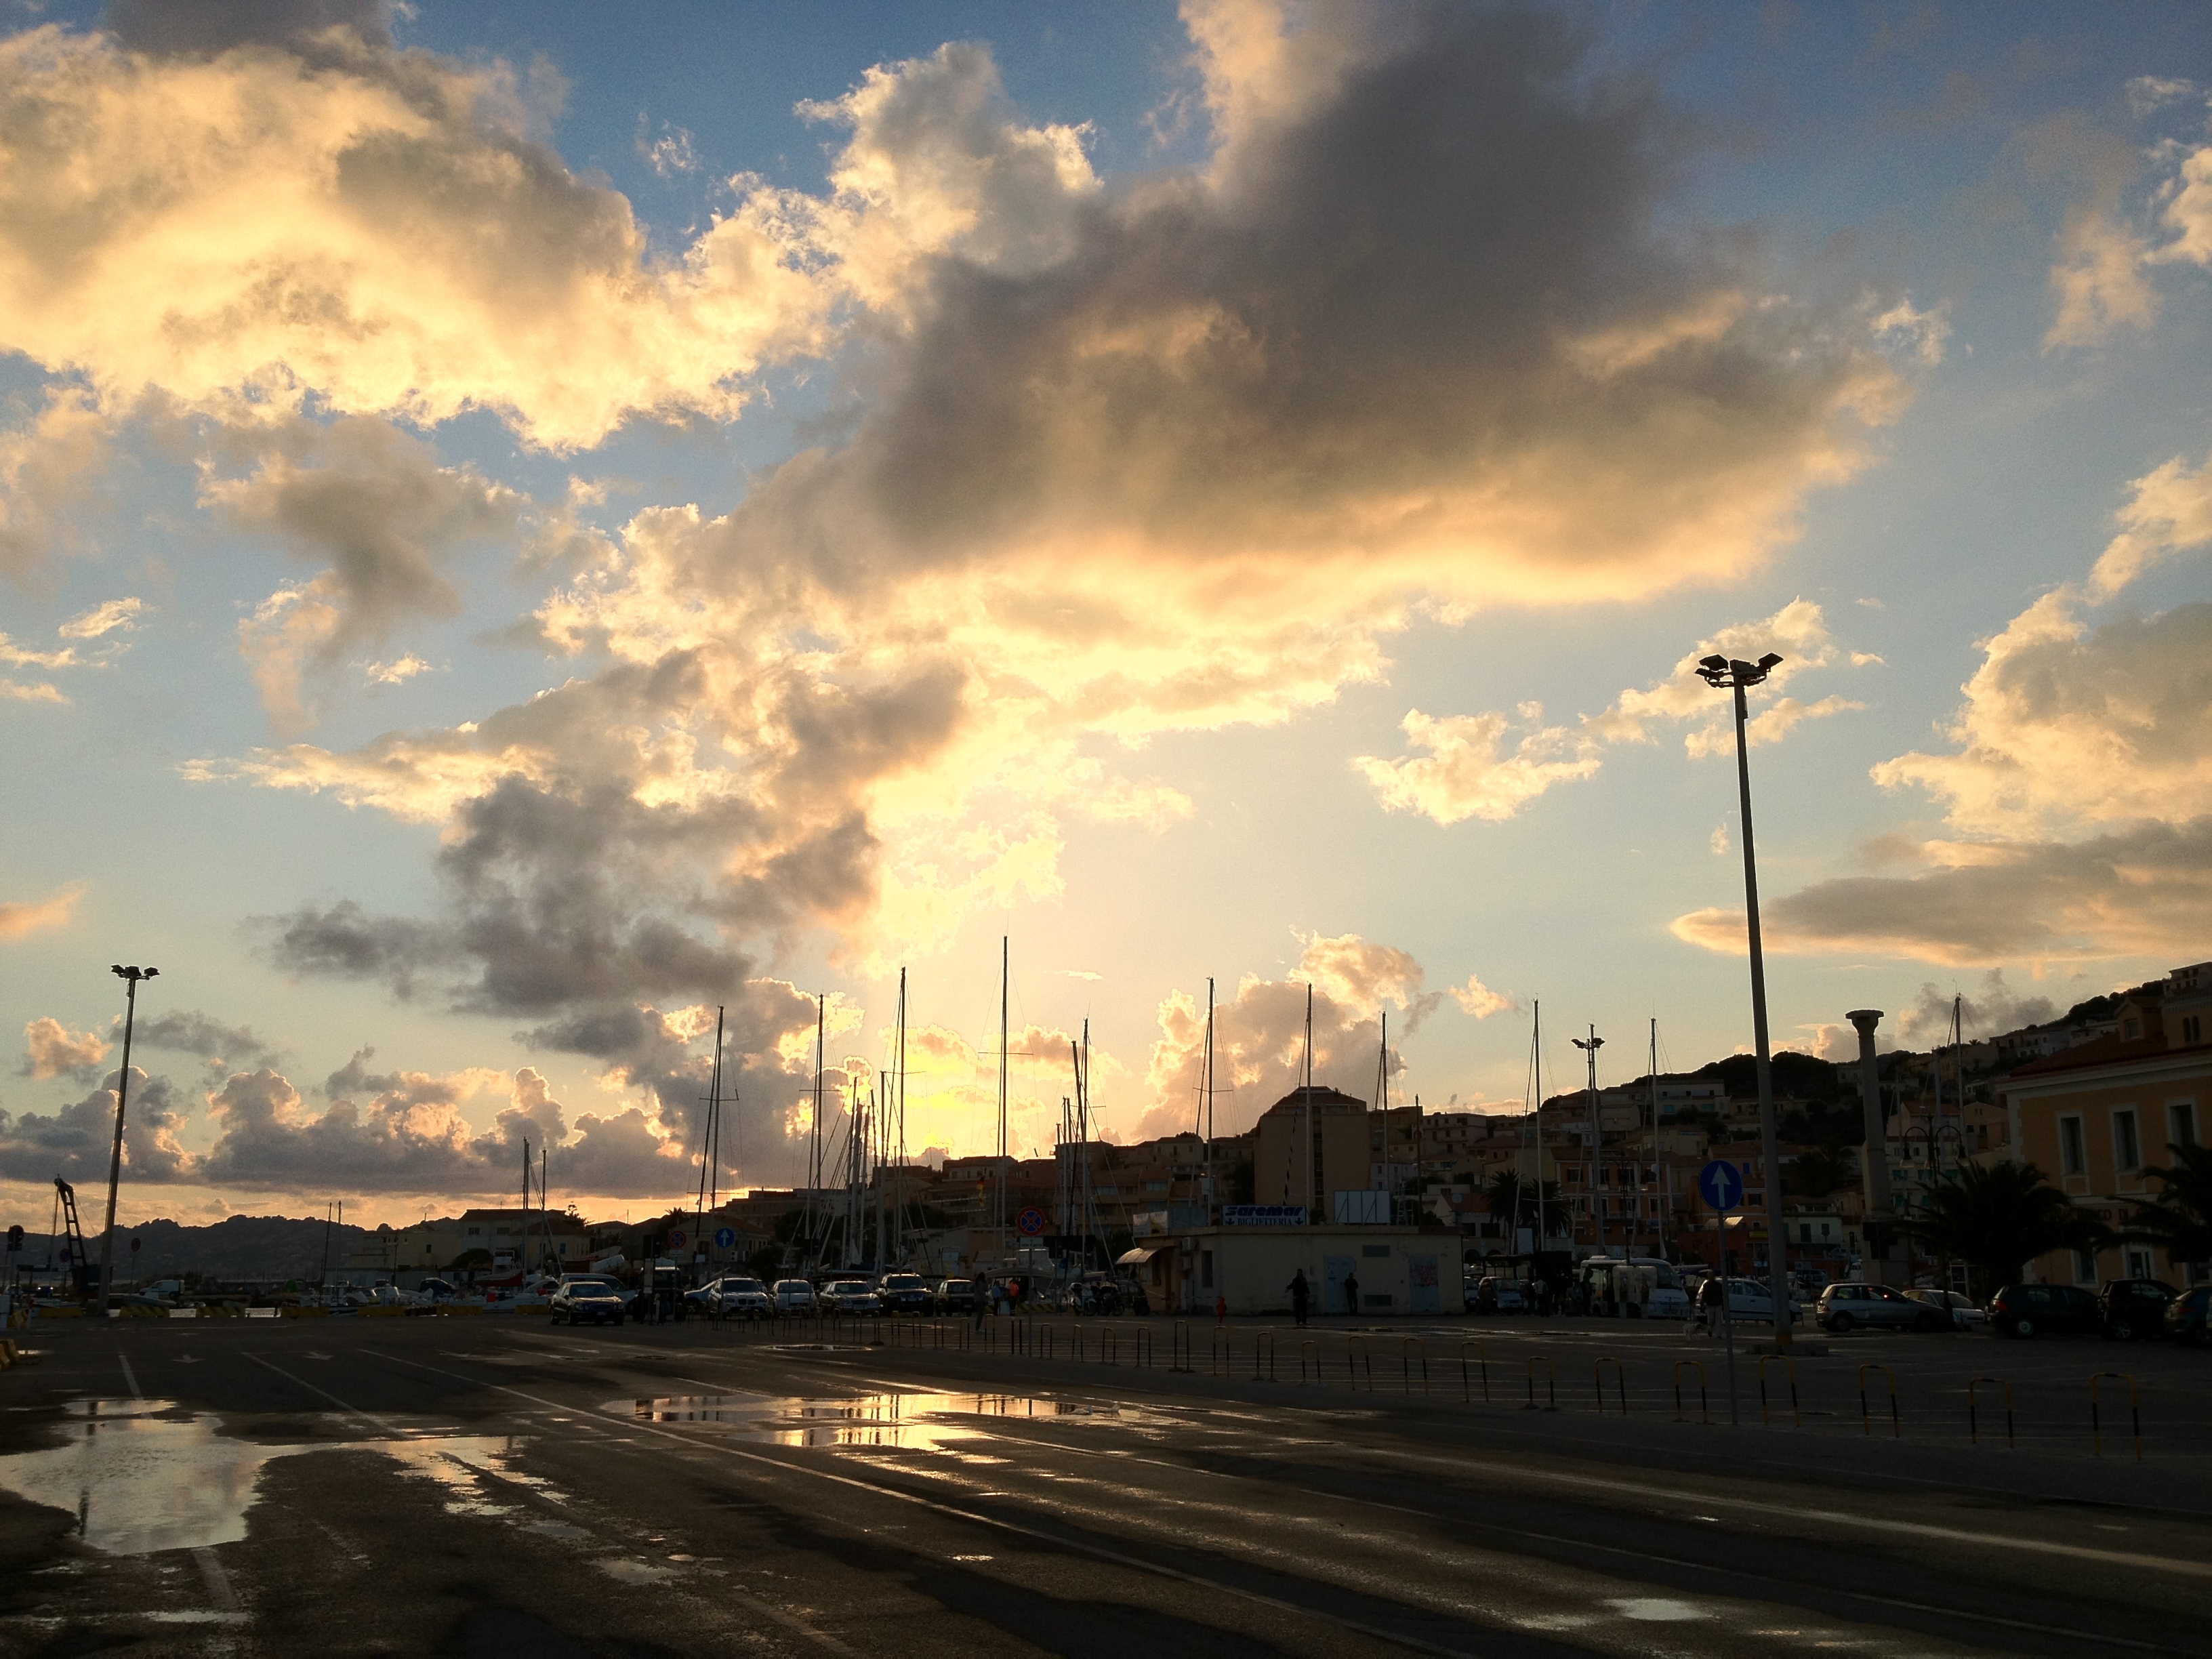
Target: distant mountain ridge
(249, 1247)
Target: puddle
(137, 1482)
(914, 1419)
(627, 1571)
(1658, 1609)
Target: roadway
(489, 1487)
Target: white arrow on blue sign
(1722, 1183)
(723, 1237)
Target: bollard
(1356, 1346)
(1222, 1356)
(1482, 1361)
(1109, 1347)
(1141, 1347)
(1075, 1344)
(1551, 1382)
(1973, 1428)
(1789, 1367)
(1703, 1406)
(1268, 1339)
(1309, 1346)
(1866, 1418)
(1179, 1348)
(2135, 1413)
(1407, 1347)
(1619, 1380)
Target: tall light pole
(1726, 674)
(1875, 1226)
(130, 976)
(1589, 1045)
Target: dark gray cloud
(2014, 902)
(75, 1141)
(181, 28)
(1990, 1008)
(191, 1032)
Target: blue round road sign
(1031, 1222)
(1722, 1184)
(677, 1239)
(723, 1237)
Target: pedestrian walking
(982, 1297)
(1351, 1294)
(1221, 1309)
(1301, 1293)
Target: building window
(2181, 1123)
(2192, 1028)
(2139, 1264)
(2130, 1028)
(2073, 1155)
(2084, 1268)
(2127, 1143)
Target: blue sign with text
(1722, 1184)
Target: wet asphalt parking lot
(492, 1485)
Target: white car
(1751, 1301)
(743, 1299)
(795, 1295)
(1963, 1313)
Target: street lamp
(1726, 674)
(1589, 1045)
(130, 976)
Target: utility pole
(130, 977)
(1874, 1229)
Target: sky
(524, 526)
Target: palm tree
(2001, 1217)
(2180, 1217)
(1513, 1200)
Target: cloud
(2148, 93)
(2066, 726)
(671, 152)
(22, 917)
(1161, 453)
(1469, 772)
(45, 468)
(51, 1049)
(376, 503)
(106, 617)
(2108, 245)
(75, 1141)
(1479, 1000)
(221, 1047)
(1465, 774)
(397, 235)
(1994, 1009)
(2169, 511)
(2146, 891)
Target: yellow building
(1340, 1152)
(2094, 1117)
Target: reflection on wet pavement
(139, 1481)
(911, 1419)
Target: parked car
(904, 1293)
(2186, 1315)
(438, 1289)
(733, 1298)
(954, 1295)
(1752, 1301)
(2135, 1308)
(1496, 1295)
(1964, 1314)
(1878, 1307)
(2026, 1310)
(589, 1301)
(850, 1296)
(795, 1296)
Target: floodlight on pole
(1589, 1045)
(1730, 674)
(130, 976)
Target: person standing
(983, 1296)
(1301, 1294)
(1351, 1294)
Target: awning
(1136, 1258)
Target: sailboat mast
(1536, 1103)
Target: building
(1398, 1270)
(2094, 1117)
(1340, 1156)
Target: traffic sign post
(677, 1239)
(1720, 1185)
(724, 1236)
(1030, 1223)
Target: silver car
(1876, 1307)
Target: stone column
(1878, 1221)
